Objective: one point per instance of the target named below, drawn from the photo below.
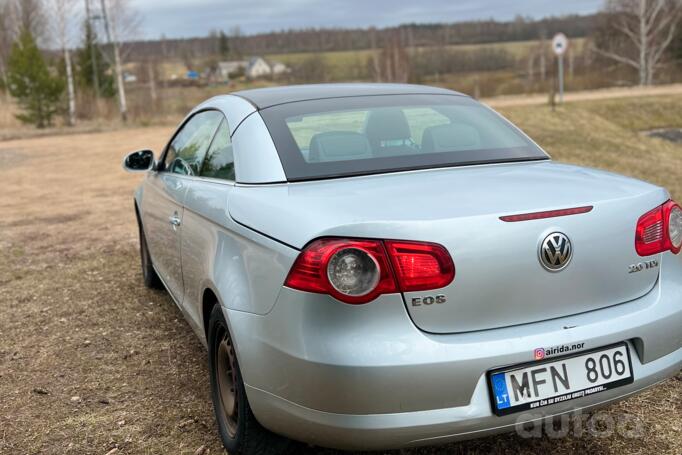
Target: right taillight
(357, 271)
(660, 230)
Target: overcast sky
(185, 18)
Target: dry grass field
(340, 61)
(93, 363)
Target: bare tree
(64, 13)
(392, 63)
(6, 38)
(648, 26)
(542, 52)
(235, 35)
(152, 75)
(29, 15)
(376, 67)
(312, 69)
(119, 21)
(537, 55)
(92, 44)
(531, 67)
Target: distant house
(254, 68)
(229, 69)
(279, 68)
(257, 68)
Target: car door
(165, 193)
(206, 219)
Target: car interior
(386, 132)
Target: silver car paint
(460, 208)
(245, 269)
(166, 193)
(258, 161)
(346, 346)
(366, 376)
(235, 109)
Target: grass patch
(606, 135)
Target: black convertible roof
(262, 98)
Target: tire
(151, 279)
(239, 430)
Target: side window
(219, 163)
(188, 149)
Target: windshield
(340, 137)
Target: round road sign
(559, 44)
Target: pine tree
(223, 45)
(88, 53)
(38, 93)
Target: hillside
(353, 39)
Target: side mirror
(141, 161)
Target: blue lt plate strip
(501, 393)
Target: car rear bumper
(440, 426)
(363, 377)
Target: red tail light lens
(548, 214)
(659, 230)
(352, 271)
(357, 271)
(420, 266)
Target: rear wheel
(239, 430)
(151, 279)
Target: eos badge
(429, 300)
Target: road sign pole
(559, 46)
(561, 79)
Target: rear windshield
(340, 137)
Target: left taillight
(350, 270)
(357, 271)
(660, 230)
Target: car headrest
(338, 146)
(385, 125)
(450, 137)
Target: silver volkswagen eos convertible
(384, 266)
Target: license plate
(550, 381)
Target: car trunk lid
(500, 280)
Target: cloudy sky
(184, 18)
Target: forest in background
(102, 76)
(314, 40)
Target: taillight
(353, 271)
(357, 271)
(659, 230)
(675, 228)
(420, 266)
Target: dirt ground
(91, 361)
(586, 95)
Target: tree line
(342, 39)
(44, 83)
(642, 35)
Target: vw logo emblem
(555, 252)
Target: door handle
(175, 221)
